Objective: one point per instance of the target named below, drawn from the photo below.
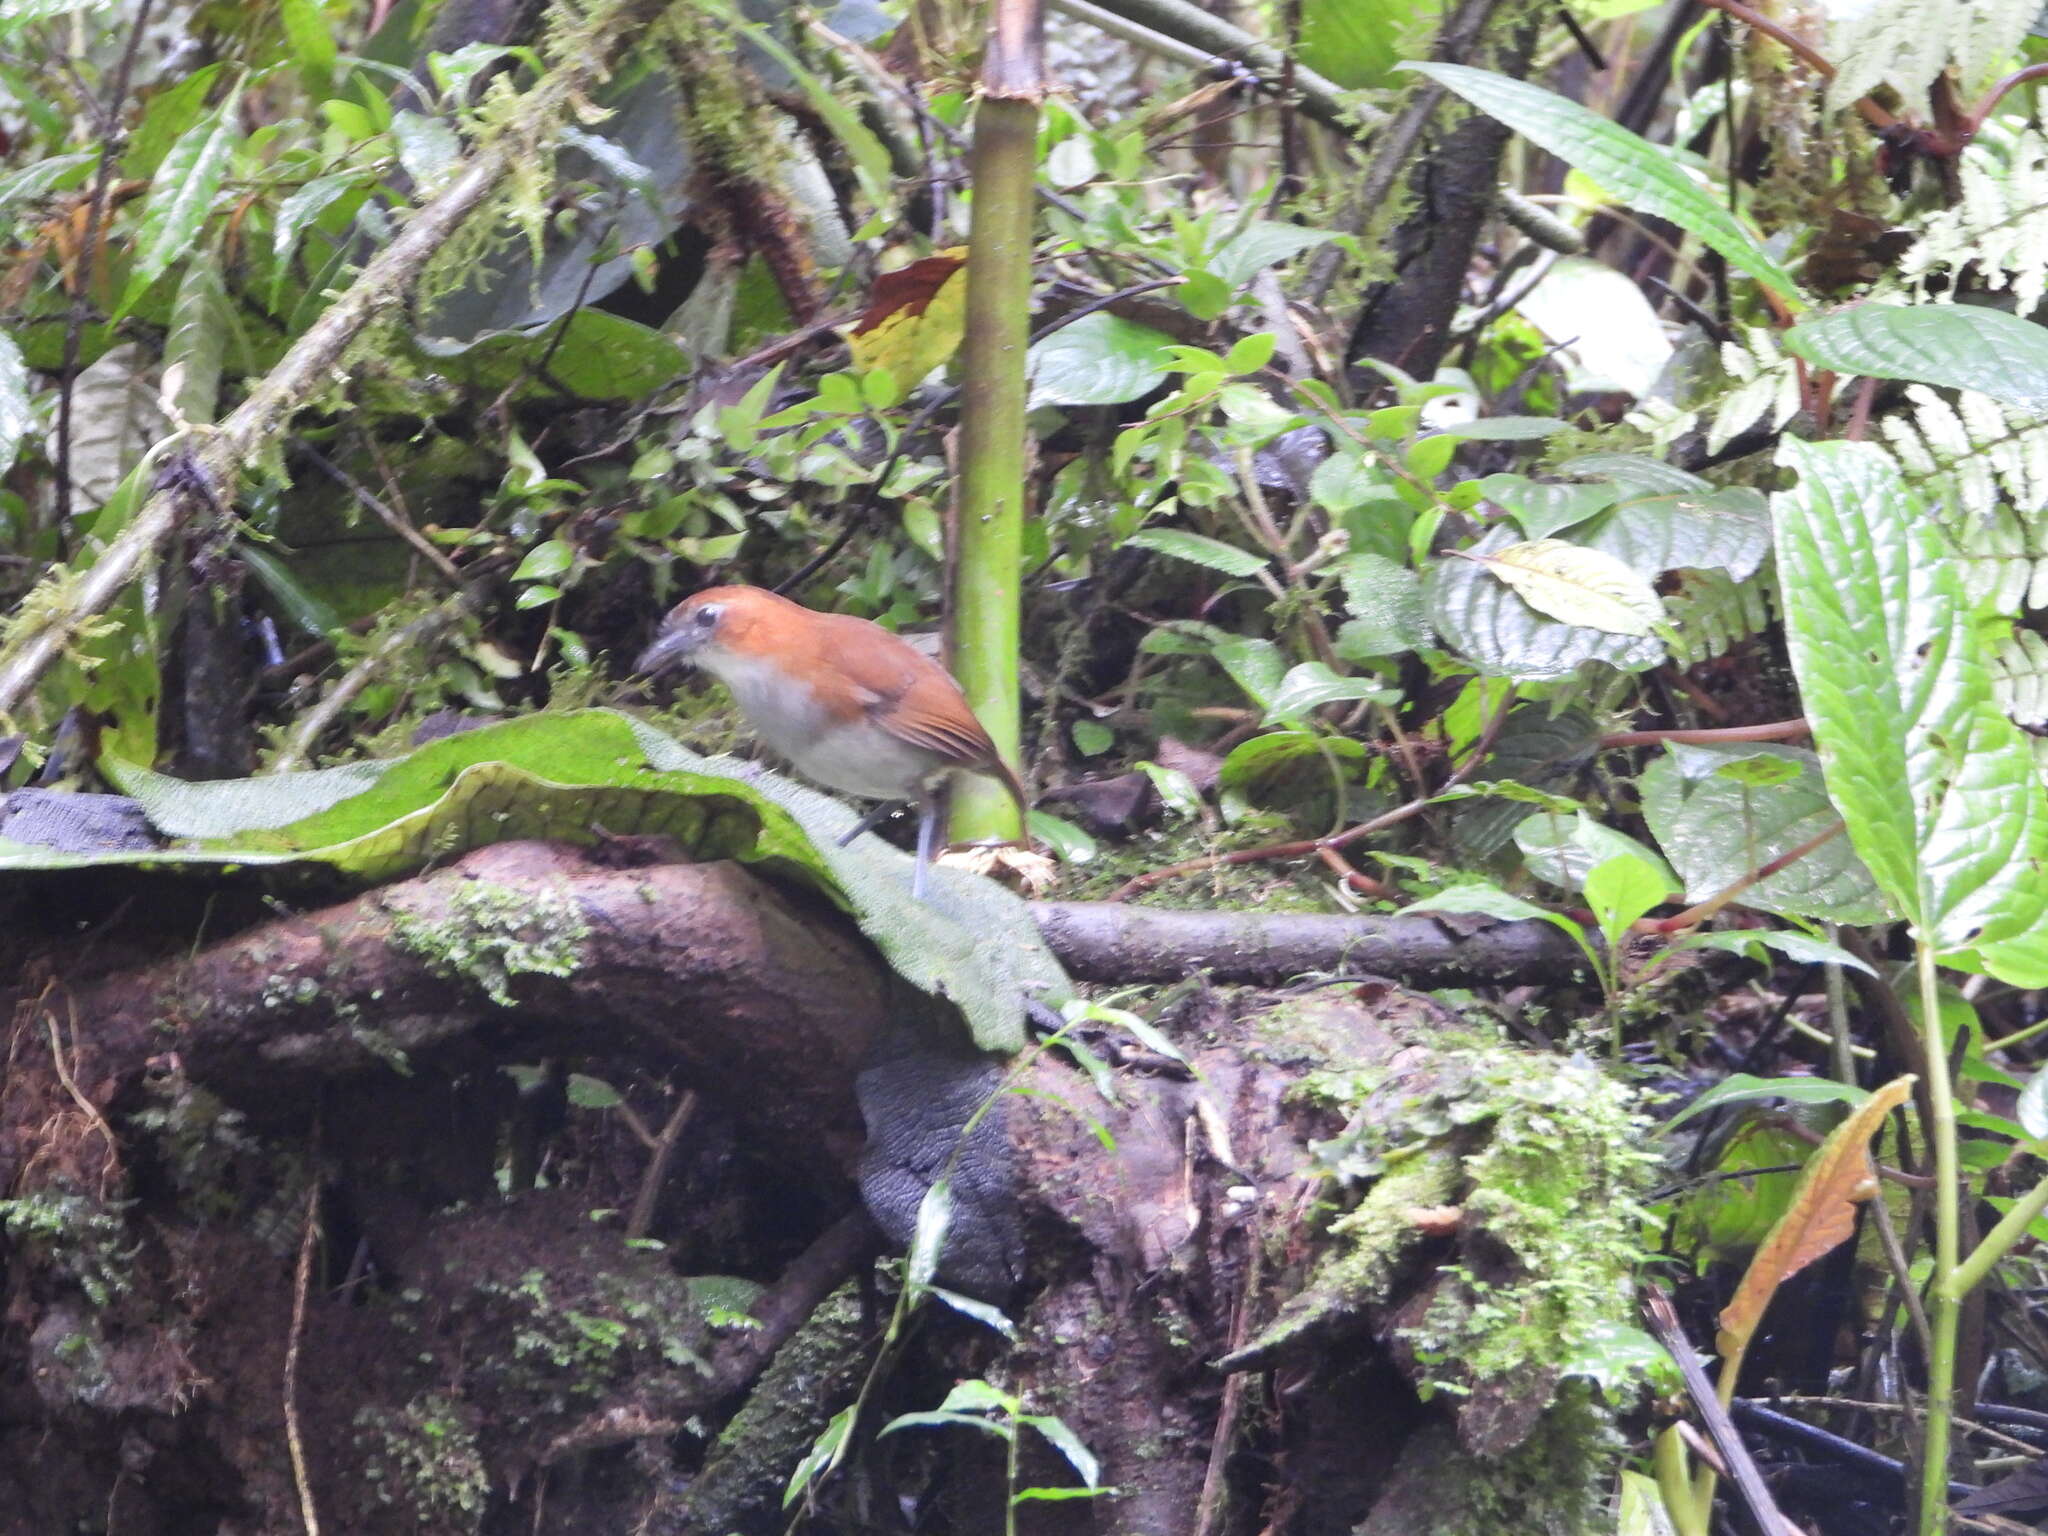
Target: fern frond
(1711, 611)
(1906, 43)
(1999, 227)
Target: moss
(493, 933)
(426, 1457)
(78, 1237)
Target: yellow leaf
(1576, 585)
(915, 318)
(1822, 1214)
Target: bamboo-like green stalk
(989, 526)
(1948, 1296)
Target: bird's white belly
(860, 758)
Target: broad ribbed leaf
(1959, 346)
(1100, 359)
(1936, 784)
(1637, 172)
(1579, 586)
(1487, 623)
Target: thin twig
(301, 1283)
(651, 1182)
(388, 515)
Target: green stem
(1948, 1294)
(1998, 1242)
(989, 546)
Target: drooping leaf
(1564, 849)
(591, 353)
(1312, 684)
(1822, 1214)
(560, 775)
(1958, 346)
(1646, 176)
(1546, 507)
(1245, 255)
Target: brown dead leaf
(1822, 1214)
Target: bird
(846, 702)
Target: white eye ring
(707, 616)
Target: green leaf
(1312, 684)
(549, 558)
(934, 1219)
(18, 14)
(1067, 1443)
(1487, 623)
(1622, 888)
(296, 214)
(41, 176)
(1543, 508)
(1937, 786)
(1488, 901)
(1385, 600)
(1801, 947)
(1958, 346)
(1255, 665)
(1742, 1088)
(1101, 359)
(824, 1453)
(1248, 354)
(598, 356)
(201, 322)
(1646, 176)
(17, 414)
(1565, 849)
(969, 944)
(181, 197)
(1198, 550)
(587, 1092)
(980, 1311)
(312, 44)
(1251, 762)
(1717, 829)
(1244, 256)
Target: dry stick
(67, 601)
(301, 1283)
(1210, 1510)
(388, 515)
(1397, 815)
(664, 1147)
(1776, 730)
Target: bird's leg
(872, 820)
(927, 841)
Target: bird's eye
(707, 616)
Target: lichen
(492, 933)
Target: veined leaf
(1960, 346)
(17, 416)
(1575, 585)
(1639, 173)
(1822, 1214)
(1198, 550)
(181, 196)
(1937, 786)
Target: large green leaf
(1719, 824)
(1936, 784)
(1487, 623)
(1639, 173)
(1101, 359)
(592, 354)
(1959, 346)
(563, 776)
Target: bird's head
(712, 625)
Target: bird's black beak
(673, 647)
